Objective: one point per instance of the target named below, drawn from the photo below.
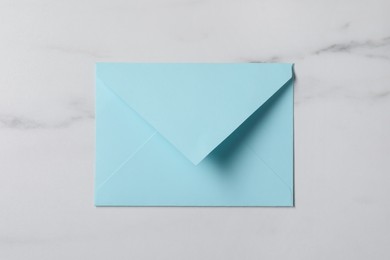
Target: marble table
(341, 51)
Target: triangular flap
(194, 106)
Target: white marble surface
(342, 127)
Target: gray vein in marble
(376, 56)
(352, 45)
(20, 122)
(331, 93)
(381, 95)
(346, 26)
(16, 122)
(25, 123)
(264, 60)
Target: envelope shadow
(225, 154)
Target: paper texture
(194, 134)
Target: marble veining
(77, 108)
(356, 45)
(24, 123)
(341, 52)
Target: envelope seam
(273, 171)
(122, 100)
(132, 154)
(139, 148)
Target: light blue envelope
(194, 134)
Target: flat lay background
(341, 51)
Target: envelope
(196, 134)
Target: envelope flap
(194, 106)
